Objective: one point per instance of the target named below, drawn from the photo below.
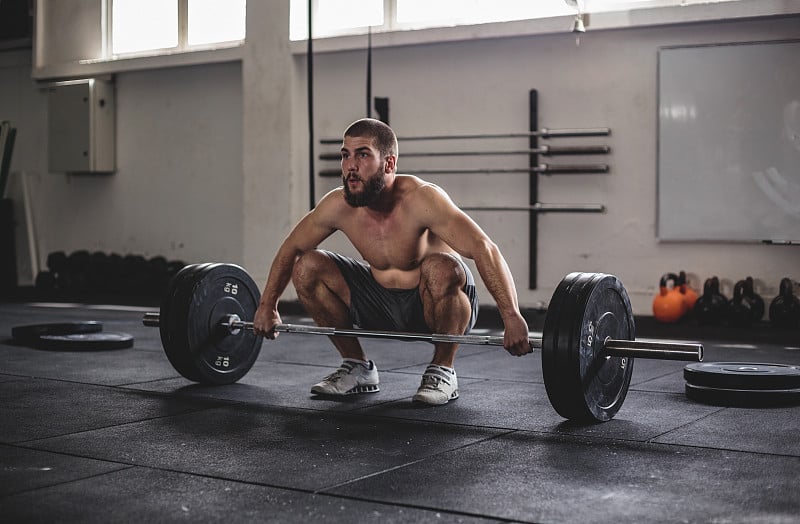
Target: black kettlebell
(746, 306)
(712, 306)
(784, 310)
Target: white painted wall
(213, 158)
(609, 80)
(177, 191)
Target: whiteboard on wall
(729, 142)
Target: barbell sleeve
(648, 349)
(652, 349)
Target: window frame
(183, 45)
(391, 25)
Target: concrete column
(266, 137)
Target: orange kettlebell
(689, 294)
(668, 305)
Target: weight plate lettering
(216, 355)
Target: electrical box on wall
(81, 126)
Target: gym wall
(190, 179)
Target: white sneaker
(439, 386)
(353, 376)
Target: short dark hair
(382, 135)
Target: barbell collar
(151, 319)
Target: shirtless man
(412, 237)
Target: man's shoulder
(332, 205)
(412, 184)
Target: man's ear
(391, 163)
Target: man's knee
(441, 274)
(310, 268)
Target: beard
(373, 186)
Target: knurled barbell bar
(587, 343)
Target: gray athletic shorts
(375, 307)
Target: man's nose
(349, 165)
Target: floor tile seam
(360, 413)
(17, 378)
(728, 450)
(659, 377)
(281, 487)
(594, 439)
(652, 441)
(314, 492)
(327, 489)
(72, 480)
(664, 374)
(695, 421)
(130, 387)
(78, 382)
(111, 426)
(441, 511)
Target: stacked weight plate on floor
(197, 302)
(582, 382)
(71, 336)
(743, 384)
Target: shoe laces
(340, 373)
(432, 381)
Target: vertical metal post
(312, 193)
(533, 227)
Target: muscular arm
(312, 229)
(461, 233)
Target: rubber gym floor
(119, 436)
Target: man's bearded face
(371, 188)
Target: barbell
(587, 343)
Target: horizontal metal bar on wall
(543, 133)
(544, 150)
(541, 168)
(543, 208)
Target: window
(342, 17)
(149, 26)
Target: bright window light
(143, 25)
(421, 13)
(334, 17)
(212, 21)
(343, 17)
(343, 14)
